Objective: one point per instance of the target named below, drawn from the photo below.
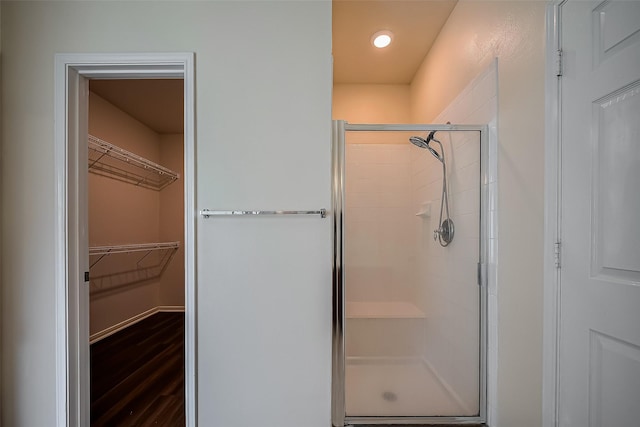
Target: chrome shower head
(419, 142)
(424, 143)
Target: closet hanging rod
(142, 247)
(206, 213)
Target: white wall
(242, 78)
(263, 141)
(475, 33)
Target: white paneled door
(599, 365)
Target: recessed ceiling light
(382, 39)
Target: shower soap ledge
(425, 210)
(383, 310)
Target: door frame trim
(72, 364)
(552, 216)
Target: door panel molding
(72, 72)
(615, 239)
(607, 356)
(611, 38)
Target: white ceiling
(158, 103)
(414, 23)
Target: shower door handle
(482, 273)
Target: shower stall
(409, 304)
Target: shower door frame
(338, 143)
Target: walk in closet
(136, 255)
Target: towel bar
(206, 213)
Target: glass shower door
(411, 301)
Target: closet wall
(123, 213)
(172, 220)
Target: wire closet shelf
(111, 161)
(117, 266)
(102, 251)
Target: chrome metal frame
(337, 225)
(338, 415)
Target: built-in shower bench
(383, 310)
(384, 329)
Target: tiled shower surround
(408, 298)
(378, 202)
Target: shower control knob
(445, 232)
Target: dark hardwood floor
(137, 375)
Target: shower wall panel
(447, 289)
(378, 250)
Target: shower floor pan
(396, 388)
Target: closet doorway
(136, 251)
(73, 256)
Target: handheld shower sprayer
(444, 232)
(422, 142)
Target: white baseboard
(446, 386)
(132, 321)
(170, 308)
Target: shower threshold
(415, 425)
